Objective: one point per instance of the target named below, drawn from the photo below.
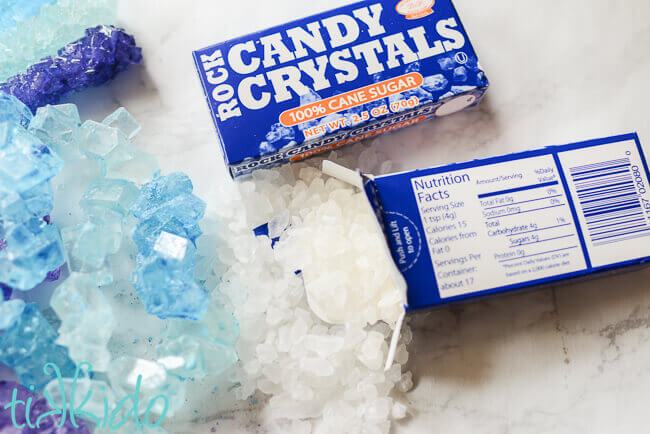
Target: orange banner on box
(351, 99)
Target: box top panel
(252, 80)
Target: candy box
(503, 224)
(336, 78)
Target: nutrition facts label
(526, 220)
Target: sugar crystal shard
(32, 246)
(169, 214)
(123, 121)
(29, 344)
(86, 320)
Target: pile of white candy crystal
(335, 241)
(322, 377)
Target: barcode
(609, 201)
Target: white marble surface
(569, 359)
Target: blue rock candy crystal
(58, 126)
(29, 344)
(31, 247)
(13, 111)
(107, 142)
(169, 214)
(104, 143)
(105, 204)
(93, 60)
(156, 380)
(167, 204)
(123, 121)
(46, 30)
(10, 311)
(195, 349)
(87, 320)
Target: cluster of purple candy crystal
(92, 60)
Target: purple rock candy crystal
(93, 60)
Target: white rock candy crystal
(319, 377)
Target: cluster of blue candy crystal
(28, 344)
(93, 60)
(194, 344)
(165, 235)
(168, 215)
(30, 245)
(93, 243)
(79, 301)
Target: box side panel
(492, 226)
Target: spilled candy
(93, 60)
(316, 346)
